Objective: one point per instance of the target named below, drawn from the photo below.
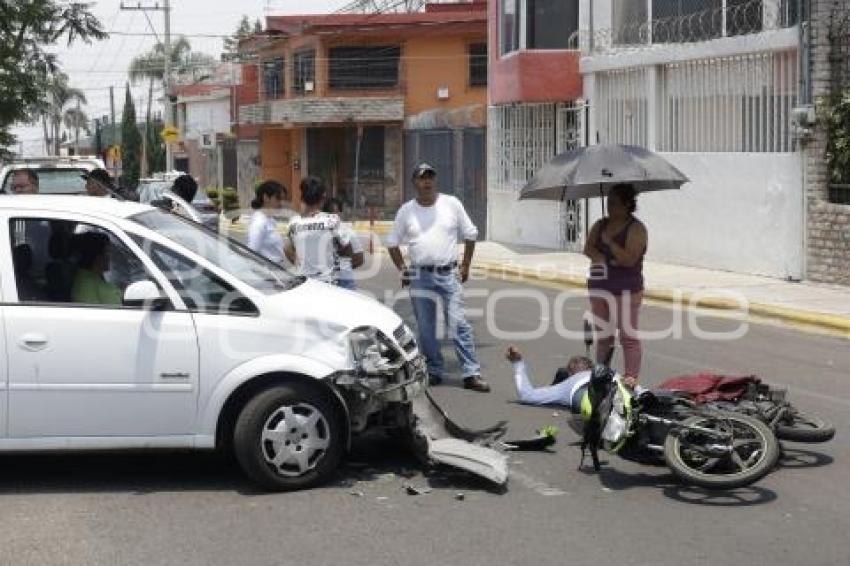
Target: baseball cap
(424, 169)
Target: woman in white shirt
(263, 236)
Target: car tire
(288, 437)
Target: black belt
(439, 269)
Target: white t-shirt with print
(431, 232)
(264, 238)
(315, 239)
(346, 271)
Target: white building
(711, 85)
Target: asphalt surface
(187, 508)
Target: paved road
(197, 509)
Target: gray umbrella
(591, 171)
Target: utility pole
(77, 130)
(112, 129)
(165, 8)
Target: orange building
(359, 98)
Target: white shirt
(346, 271)
(431, 232)
(315, 238)
(264, 238)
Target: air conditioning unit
(309, 86)
(207, 140)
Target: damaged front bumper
(399, 401)
(382, 399)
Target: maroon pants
(618, 315)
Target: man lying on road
(567, 388)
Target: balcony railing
(254, 113)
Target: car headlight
(371, 351)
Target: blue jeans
(426, 290)
(347, 284)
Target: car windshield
(227, 254)
(54, 181)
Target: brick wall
(828, 225)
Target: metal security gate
(523, 138)
(459, 158)
(474, 168)
(229, 173)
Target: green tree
(27, 29)
(57, 106)
(231, 43)
(244, 30)
(131, 144)
(185, 64)
(155, 146)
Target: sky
(93, 68)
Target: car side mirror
(145, 294)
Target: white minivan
(127, 327)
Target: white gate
(523, 138)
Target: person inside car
(25, 182)
(28, 288)
(99, 183)
(90, 287)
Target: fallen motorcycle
(749, 396)
(701, 445)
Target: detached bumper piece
(440, 440)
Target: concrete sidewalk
(813, 305)
(807, 304)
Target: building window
(551, 23)
(478, 64)
(839, 194)
(273, 78)
(509, 25)
(304, 72)
(629, 20)
(364, 67)
(684, 21)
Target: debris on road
(413, 490)
(441, 440)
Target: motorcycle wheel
(800, 427)
(754, 451)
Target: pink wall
(531, 75)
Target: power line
(150, 34)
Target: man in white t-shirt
(316, 239)
(429, 225)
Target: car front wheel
(288, 437)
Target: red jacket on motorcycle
(708, 387)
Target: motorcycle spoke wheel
(739, 451)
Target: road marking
(538, 486)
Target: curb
(823, 321)
(799, 317)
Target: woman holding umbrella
(616, 246)
(617, 243)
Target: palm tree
(150, 67)
(76, 119)
(54, 110)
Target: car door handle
(33, 342)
